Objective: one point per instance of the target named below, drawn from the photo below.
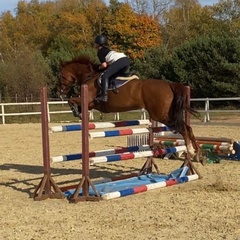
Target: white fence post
(205, 113)
(206, 109)
(48, 113)
(116, 116)
(143, 115)
(208, 114)
(91, 115)
(3, 116)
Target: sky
(6, 5)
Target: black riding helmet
(101, 40)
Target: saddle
(119, 81)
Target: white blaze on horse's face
(64, 84)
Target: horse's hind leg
(192, 149)
(190, 142)
(198, 156)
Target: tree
(7, 33)
(154, 63)
(76, 28)
(95, 14)
(131, 32)
(228, 11)
(154, 8)
(61, 49)
(34, 21)
(210, 65)
(182, 21)
(24, 72)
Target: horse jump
(47, 188)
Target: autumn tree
(154, 8)
(8, 33)
(130, 32)
(95, 14)
(34, 23)
(177, 22)
(228, 12)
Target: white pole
(208, 114)
(3, 117)
(48, 113)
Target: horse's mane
(82, 59)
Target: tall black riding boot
(104, 96)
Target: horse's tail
(180, 105)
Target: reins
(89, 77)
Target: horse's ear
(90, 65)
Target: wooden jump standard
(47, 188)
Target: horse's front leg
(75, 106)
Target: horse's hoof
(196, 158)
(76, 115)
(203, 160)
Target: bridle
(66, 84)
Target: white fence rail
(4, 114)
(206, 111)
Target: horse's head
(74, 73)
(67, 80)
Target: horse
(165, 101)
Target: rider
(114, 63)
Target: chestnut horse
(165, 102)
